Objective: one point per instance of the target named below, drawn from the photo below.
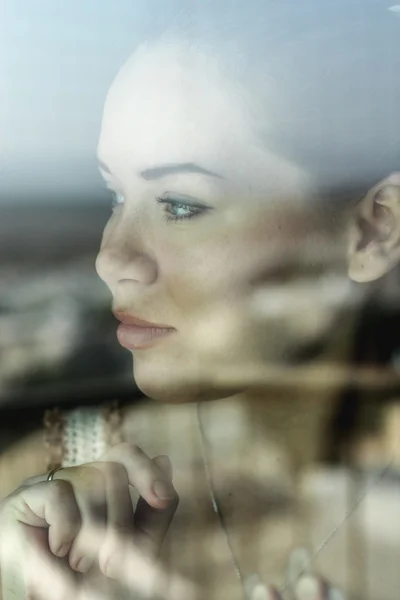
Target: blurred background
(57, 335)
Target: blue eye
(180, 211)
(176, 209)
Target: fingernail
(309, 588)
(62, 551)
(256, 590)
(250, 583)
(111, 567)
(84, 565)
(263, 592)
(162, 490)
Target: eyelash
(114, 201)
(197, 209)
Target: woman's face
(210, 234)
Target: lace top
(81, 435)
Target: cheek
(211, 273)
(193, 278)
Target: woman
(223, 164)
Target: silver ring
(50, 476)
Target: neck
(291, 407)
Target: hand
(83, 520)
(306, 586)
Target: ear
(374, 244)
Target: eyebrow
(164, 170)
(173, 169)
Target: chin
(162, 386)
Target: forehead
(167, 101)
(172, 104)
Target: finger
(13, 560)
(117, 481)
(151, 524)
(165, 465)
(89, 486)
(265, 592)
(145, 577)
(147, 528)
(89, 491)
(118, 498)
(311, 588)
(119, 453)
(298, 565)
(143, 474)
(49, 579)
(29, 482)
(120, 517)
(35, 479)
(19, 555)
(257, 590)
(50, 505)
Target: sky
(58, 58)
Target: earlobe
(374, 237)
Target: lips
(136, 334)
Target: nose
(122, 258)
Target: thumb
(165, 465)
(151, 524)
